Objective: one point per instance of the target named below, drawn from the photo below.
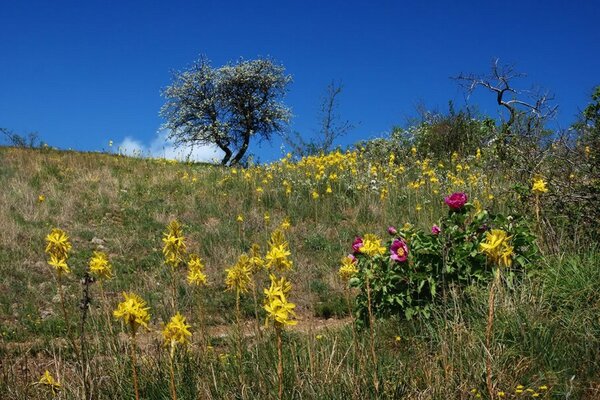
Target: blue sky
(82, 73)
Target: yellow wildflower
(497, 248)
(58, 244)
(278, 309)
(133, 311)
(100, 266)
(174, 245)
(238, 277)
(372, 246)
(539, 186)
(240, 218)
(48, 380)
(196, 275)
(315, 195)
(41, 198)
(348, 268)
(59, 264)
(176, 331)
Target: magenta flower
(456, 201)
(392, 231)
(435, 230)
(357, 244)
(399, 250)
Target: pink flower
(456, 201)
(399, 250)
(392, 231)
(357, 244)
(435, 230)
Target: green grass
(546, 329)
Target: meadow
(252, 264)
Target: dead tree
(500, 82)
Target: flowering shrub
(462, 249)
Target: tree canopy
(226, 106)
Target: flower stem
(173, 390)
(133, 369)
(489, 333)
(372, 336)
(279, 361)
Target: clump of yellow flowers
(57, 248)
(100, 266)
(133, 312)
(371, 246)
(539, 186)
(279, 310)
(277, 257)
(174, 245)
(48, 381)
(497, 248)
(239, 275)
(196, 275)
(348, 268)
(176, 332)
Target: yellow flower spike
(196, 275)
(372, 246)
(57, 244)
(100, 266)
(539, 186)
(348, 268)
(41, 198)
(315, 195)
(59, 264)
(239, 276)
(133, 312)
(174, 245)
(279, 310)
(255, 261)
(240, 218)
(48, 381)
(176, 331)
(496, 247)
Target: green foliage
(439, 261)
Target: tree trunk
(238, 157)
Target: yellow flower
(372, 246)
(348, 268)
(267, 217)
(240, 218)
(239, 276)
(174, 245)
(100, 266)
(58, 244)
(133, 311)
(315, 195)
(48, 380)
(41, 198)
(278, 255)
(497, 248)
(278, 309)
(285, 225)
(539, 186)
(255, 261)
(196, 275)
(59, 264)
(176, 331)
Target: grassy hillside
(545, 335)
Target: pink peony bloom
(399, 250)
(357, 244)
(456, 201)
(435, 230)
(392, 231)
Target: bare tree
(331, 127)
(500, 81)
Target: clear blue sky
(82, 73)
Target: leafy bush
(406, 276)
